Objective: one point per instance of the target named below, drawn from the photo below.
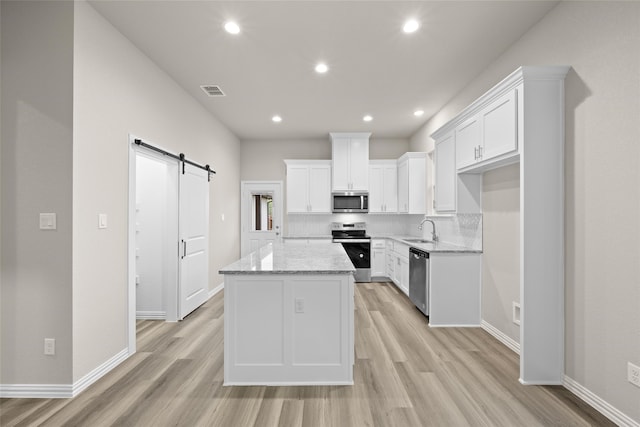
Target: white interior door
(194, 239)
(261, 214)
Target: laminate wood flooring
(406, 374)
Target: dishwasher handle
(417, 253)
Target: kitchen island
(289, 316)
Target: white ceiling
(375, 68)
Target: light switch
(47, 221)
(102, 220)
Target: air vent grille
(212, 90)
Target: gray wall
(73, 88)
(117, 91)
(37, 121)
(602, 170)
(501, 248)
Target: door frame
(170, 293)
(244, 211)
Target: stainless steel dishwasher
(419, 279)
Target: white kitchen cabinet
(400, 266)
(499, 127)
(308, 186)
(350, 161)
(383, 186)
(489, 135)
(445, 176)
(467, 137)
(378, 258)
(390, 257)
(411, 183)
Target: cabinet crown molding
(349, 134)
(520, 75)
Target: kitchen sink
(418, 241)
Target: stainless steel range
(354, 240)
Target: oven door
(359, 251)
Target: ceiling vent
(212, 90)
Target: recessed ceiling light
(418, 113)
(322, 68)
(231, 27)
(276, 119)
(410, 26)
(367, 118)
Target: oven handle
(351, 240)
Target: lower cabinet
(400, 266)
(378, 258)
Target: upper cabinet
(489, 135)
(350, 161)
(445, 174)
(308, 186)
(411, 183)
(383, 186)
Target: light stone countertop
(432, 247)
(280, 258)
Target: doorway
(168, 242)
(261, 212)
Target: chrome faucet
(434, 236)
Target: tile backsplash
(462, 229)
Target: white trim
(151, 315)
(454, 326)
(599, 404)
(62, 391)
(286, 383)
(215, 290)
(36, 391)
(501, 336)
(100, 371)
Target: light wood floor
(406, 374)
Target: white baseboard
(151, 315)
(215, 290)
(570, 384)
(36, 391)
(61, 391)
(100, 371)
(599, 404)
(502, 337)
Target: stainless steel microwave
(350, 202)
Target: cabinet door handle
(475, 153)
(479, 151)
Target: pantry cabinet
(350, 161)
(308, 186)
(383, 186)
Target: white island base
(288, 330)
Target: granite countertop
(432, 247)
(280, 258)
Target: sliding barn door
(194, 239)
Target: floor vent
(212, 90)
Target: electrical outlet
(633, 374)
(299, 305)
(50, 346)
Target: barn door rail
(180, 157)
